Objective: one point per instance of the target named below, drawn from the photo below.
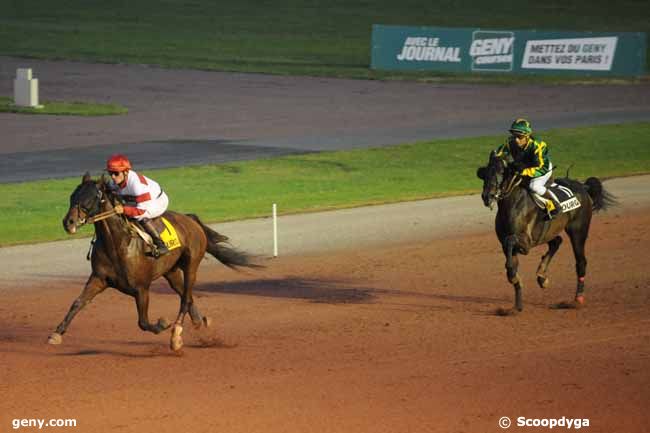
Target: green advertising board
(507, 51)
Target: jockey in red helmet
(144, 198)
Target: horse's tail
(601, 198)
(229, 256)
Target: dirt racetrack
(396, 339)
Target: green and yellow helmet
(521, 126)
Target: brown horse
(520, 225)
(118, 258)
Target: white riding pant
(155, 207)
(537, 184)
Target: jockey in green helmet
(531, 159)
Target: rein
(101, 216)
(107, 214)
(512, 184)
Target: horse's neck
(516, 207)
(112, 230)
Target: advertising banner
(508, 51)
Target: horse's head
(85, 201)
(497, 177)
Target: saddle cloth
(165, 229)
(567, 199)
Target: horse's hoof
(163, 324)
(55, 338)
(176, 342)
(205, 322)
(543, 282)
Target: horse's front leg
(93, 287)
(189, 278)
(542, 269)
(142, 303)
(512, 266)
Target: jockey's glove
(518, 166)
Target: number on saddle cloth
(169, 235)
(565, 196)
(165, 230)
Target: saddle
(563, 194)
(165, 230)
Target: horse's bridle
(89, 217)
(513, 182)
(502, 191)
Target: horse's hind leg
(142, 303)
(542, 269)
(93, 287)
(578, 236)
(175, 280)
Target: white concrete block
(25, 89)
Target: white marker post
(275, 230)
(26, 89)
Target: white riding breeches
(537, 184)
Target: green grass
(282, 37)
(32, 212)
(64, 108)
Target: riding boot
(548, 195)
(161, 248)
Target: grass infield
(64, 108)
(32, 211)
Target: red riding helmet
(118, 162)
